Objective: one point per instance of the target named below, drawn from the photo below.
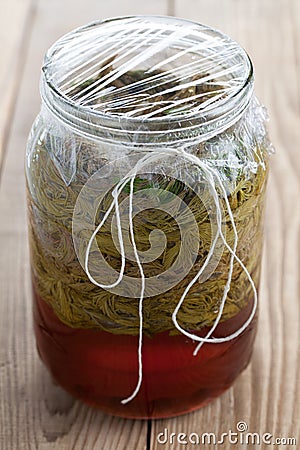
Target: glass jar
(146, 173)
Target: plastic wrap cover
(151, 81)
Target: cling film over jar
(146, 175)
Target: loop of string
(214, 181)
(213, 173)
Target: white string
(201, 164)
(115, 194)
(227, 288)
(210, 175)
(140, 362)
(209, 256)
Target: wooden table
(35, 414)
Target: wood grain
(36, 414)
(15, 17)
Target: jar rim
(224, 112)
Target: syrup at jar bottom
(101, 368)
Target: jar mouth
(208, 76)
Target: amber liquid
(101, 368)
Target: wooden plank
(266, 395)
(34, 413)
(14, 18)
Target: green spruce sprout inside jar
(146, 174)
